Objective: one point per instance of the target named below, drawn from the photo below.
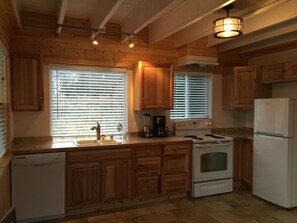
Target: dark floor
(239, 206)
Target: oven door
(212, 161)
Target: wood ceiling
(267, 23)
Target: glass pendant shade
(228, 27)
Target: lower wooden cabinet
(176, 168)
(237, 162)
(243, 163)
(148, 187)
(116, 180)
(148, 172)
(107, 176)
(247, 163)
(93, 180)
(83, 184)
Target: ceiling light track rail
(97, 31)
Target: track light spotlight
(131, 42)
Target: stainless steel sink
(93, 142)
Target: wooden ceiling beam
(61, 15)
(269, 43)
(146, 13)
(186, 14)
(273, 32)
(16, 10)
(103, 12)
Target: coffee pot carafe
(159, 126)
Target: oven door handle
(212, 144)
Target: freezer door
(272, 169)
(274, 116)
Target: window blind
(191, 96)
(2, 102)
(81, 98)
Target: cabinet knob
(99, 174)
(103, 174)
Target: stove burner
(194, 137)
(215, 136)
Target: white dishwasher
(38, 186)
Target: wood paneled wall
(74, 46)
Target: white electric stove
(212, 157)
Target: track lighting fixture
(95, 41)
(96, 33)
(131, 42)
(229, 26)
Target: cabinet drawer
(95, 155)
(175, 164)
(175, 183)
(148, 166)
(176, 149)
(147, 187)
(147, 151)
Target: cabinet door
(157, 87)
(175, 164)
(147, 177)
(227, 88)
(83, 184)
(291, 70)
(273, 72)
(175, 183)
(237, 162)
(27, 86)
(244, 87)
(148, 187)
(247, 163)
(176, 175)
(149, 166)
(116, 180)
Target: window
(191, 96)
(3, 98)
(80, 98)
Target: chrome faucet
(98, 129)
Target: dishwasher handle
(38, 159)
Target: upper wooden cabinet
(273, 72)
(153, 86)
(279, 72)
(241, 86)
(27, 84)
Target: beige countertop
(30, 147)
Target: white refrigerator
(275, 155)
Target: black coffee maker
(159, 126)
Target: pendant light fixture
(229, 26)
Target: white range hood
(197, 61)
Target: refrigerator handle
(269, 134)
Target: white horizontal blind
(191, 96)
(2, 102)
(81, 98)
